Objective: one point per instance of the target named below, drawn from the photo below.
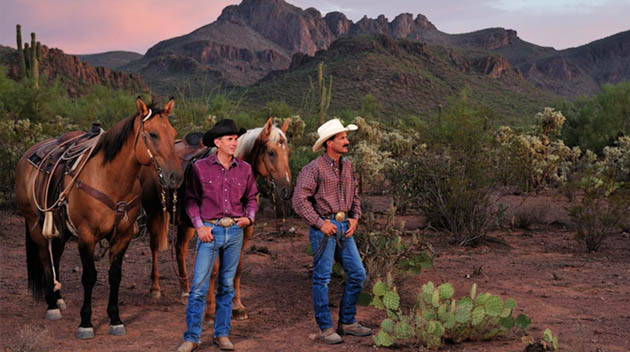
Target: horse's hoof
(53, 314)
(85, 333)
(61, 304)
(156, 294)
(184, 298)
(240, 314)
(117, 330)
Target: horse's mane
(112, 141)
(247, 141)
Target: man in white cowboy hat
(326, 196)
(220, 201)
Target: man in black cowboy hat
(220, 201)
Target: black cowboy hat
(222, 128)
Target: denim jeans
(349, 257)
(226, 246)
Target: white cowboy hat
(329, 129)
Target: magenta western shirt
(212, 192)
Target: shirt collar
(330, 160)
(214, 160)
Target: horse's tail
(38, 280)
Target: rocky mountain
(256, 37)
(74, 73)
(405, 76)
(110, 59)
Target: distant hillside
(256, 37)
(75, 74)
(406, 77)
(110, 59)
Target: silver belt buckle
(226, 222)
(340, 216)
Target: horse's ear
(168, 108)
(266, 132)
(142, 107)
(285, 125)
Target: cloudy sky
(91, 26)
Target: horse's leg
(116, 255)
(88, 279)
(184, 235)
(40, 278)
(156, 225)
(58, 248)
(239, 312)
(211, 303)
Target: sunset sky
(92, 26)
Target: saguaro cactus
(35, 60)
(18, 30)
(324, 102)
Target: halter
(156, 165)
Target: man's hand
(205, 234)
(242, 222)
(352, 228)
(328, 228)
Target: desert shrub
(451, 180)
(300, 156)
(525, 216)
(15, 138)
(438, 317)
(30, 339)
(389, 248)
(600, 204)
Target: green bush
(596, 122)
(388, 248)
(600, 204)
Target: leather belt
(223, 222)
(339, 216)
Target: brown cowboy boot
(330, 337)
(224, 343)
(187, 346)
(354, 329)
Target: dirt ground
(584, 298)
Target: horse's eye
(271, 153)
(154, 135)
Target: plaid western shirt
(323, 189)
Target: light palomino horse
(100, 203)
(266, 149)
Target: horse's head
(270, 157)
(155, 140)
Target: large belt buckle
(340, 216)
(225, 222)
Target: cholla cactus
(295, 133)
(616, 161)
(370, 161)
(368, 131)
(550, 121)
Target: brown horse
(101, 204)
(267, 150)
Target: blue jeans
(349, 257)
(226, 246)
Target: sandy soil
(584, 298)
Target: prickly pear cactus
(383, 339)
(391, 300)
